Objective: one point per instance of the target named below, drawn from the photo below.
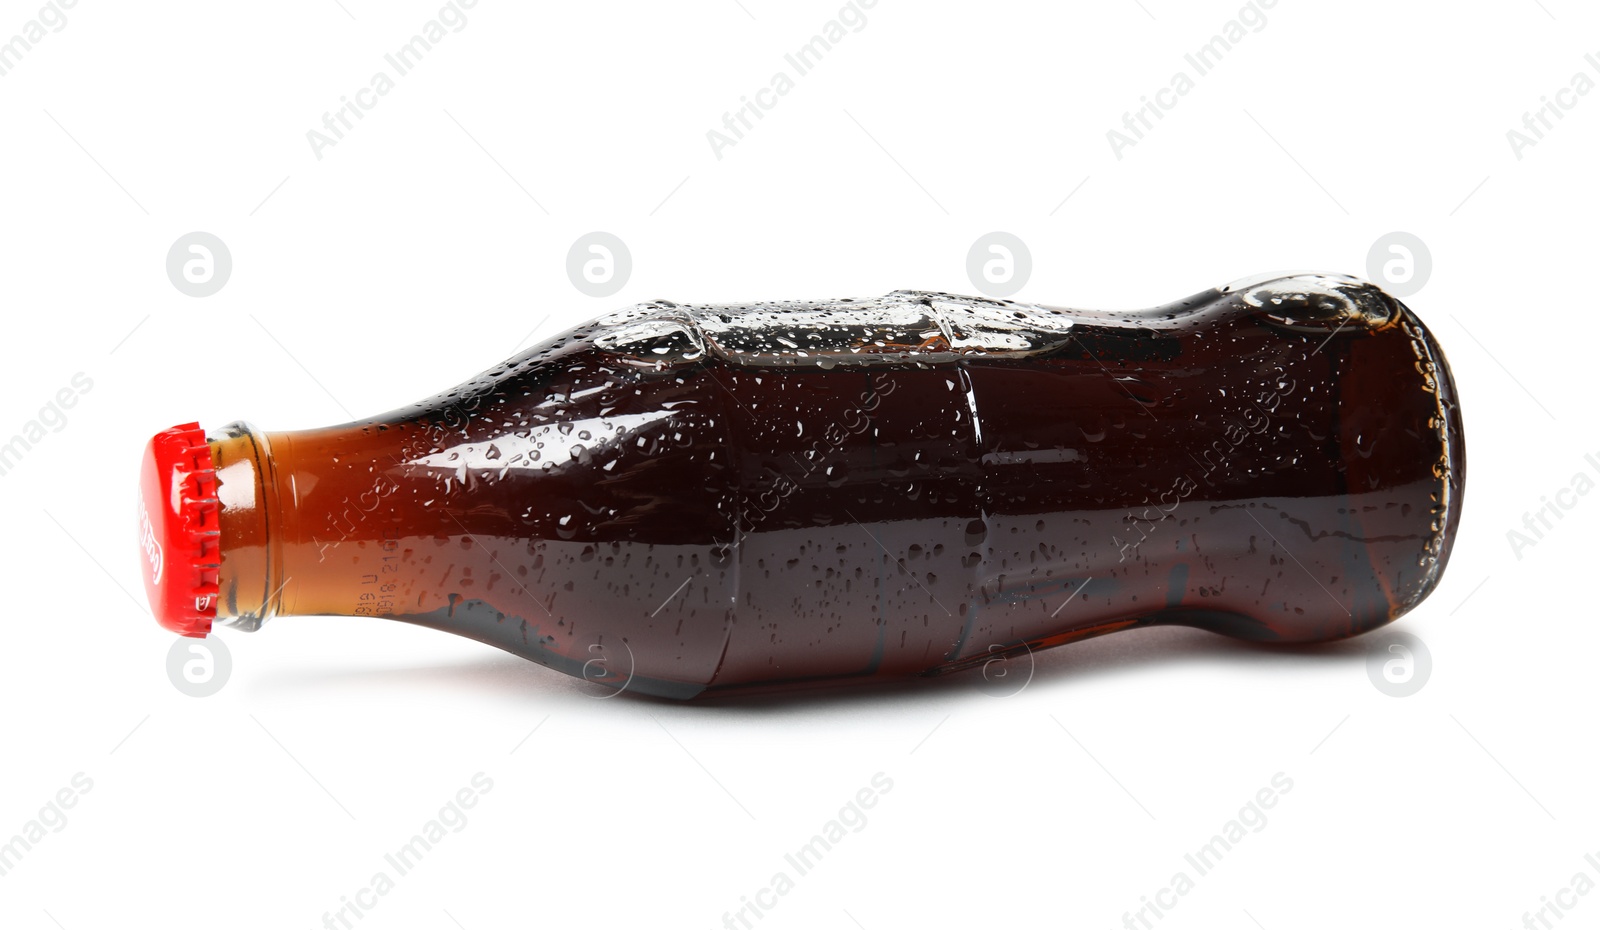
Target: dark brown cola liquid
(684, 499)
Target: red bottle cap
(178, 529)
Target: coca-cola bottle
(685, 499)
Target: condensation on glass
(692, 499)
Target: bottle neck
(251, 579)
(309, 523)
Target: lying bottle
(683, 500)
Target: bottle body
(685, 499)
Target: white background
(427, 244)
